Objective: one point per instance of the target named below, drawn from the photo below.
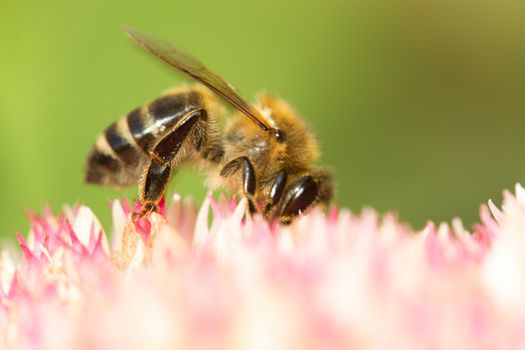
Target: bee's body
(269, 162)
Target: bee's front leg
(248, 178)
(156, 176)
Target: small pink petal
(28, 255)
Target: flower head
(180, 280)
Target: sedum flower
(209, 279)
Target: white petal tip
(496, 213)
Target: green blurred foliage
(419, 106)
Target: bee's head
(289, 131)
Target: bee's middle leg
(155, 179)
(248, 178)
(276, 192)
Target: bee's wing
(190, 66)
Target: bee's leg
(248, 178)
(152, 186)
(276, 191)
(298, 197)
(155, 179)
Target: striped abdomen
(122, 151)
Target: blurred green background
(419, 106)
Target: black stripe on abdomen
(138, 125)
(122, 146)
(100, 166)
(167, 110)
(166, 107)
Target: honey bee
(265, 152)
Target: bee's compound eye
(279, 135)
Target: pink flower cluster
(184, 279)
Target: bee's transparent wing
(190, 66)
